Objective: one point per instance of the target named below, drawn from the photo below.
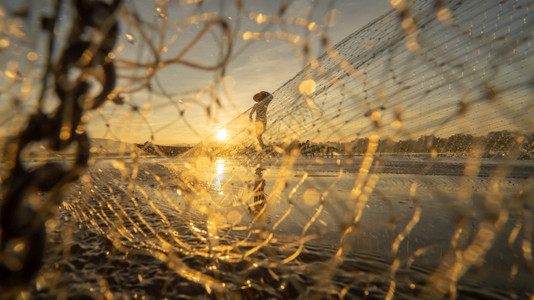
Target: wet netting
(398, 163)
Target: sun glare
(222, 134)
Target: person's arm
(251, 113)
(268, 99)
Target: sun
(222, 134)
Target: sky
(170, 100)
(182, 104)
(255, 65)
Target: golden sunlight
(222, 134)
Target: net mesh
(396, 163)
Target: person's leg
(260, 127)
(260, 140)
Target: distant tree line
(327, 150)
(494, 144)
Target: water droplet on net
(160, 13)
(130, 38)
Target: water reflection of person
(263, 100)
(259, 193)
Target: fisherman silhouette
(263, 100)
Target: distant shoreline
(160, 150)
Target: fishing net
(396, 163)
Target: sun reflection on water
(219, 178)
(226, 185)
